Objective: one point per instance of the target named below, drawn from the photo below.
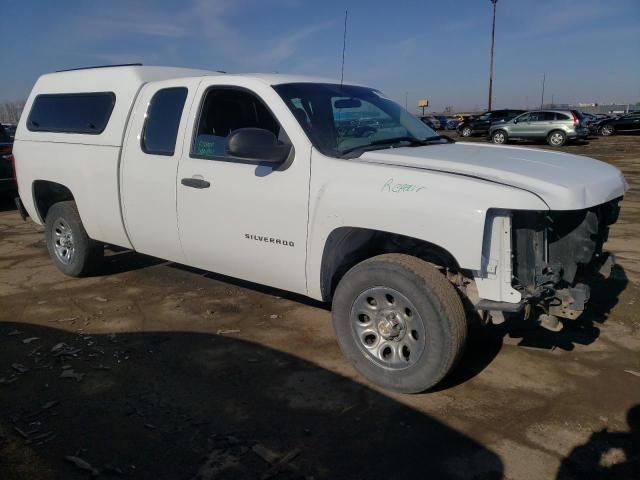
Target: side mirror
(515, 120)
(256, 144)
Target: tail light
(576, 120)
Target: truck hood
(563, 181)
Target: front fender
(444, 209)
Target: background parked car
(589, 121)
(447, 123)
(7, 176)
(10, 130)
(554, 126)
(480, 125)
(433, 121)
(427, 122)
(628, 123)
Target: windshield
(342, 118)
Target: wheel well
(557, 130)
(46, 193)
(348, 246)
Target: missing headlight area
(555, 253)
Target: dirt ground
(158, 371)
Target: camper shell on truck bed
(317, 187)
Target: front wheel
(607, 130)
(70, 248)
(499, 137)
(556, 138)
(466, 131)
(400, 322)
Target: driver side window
(225, 110)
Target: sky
(438, 50)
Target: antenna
(344, 46)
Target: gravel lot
(156, 371)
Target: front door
(238, 216)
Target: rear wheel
(400, 322)
(70, 248)
(499, 137)
(466, 131)
(607, 130)
(557, 138)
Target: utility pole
(544, 78)
(493, 41)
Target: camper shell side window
(86, 113)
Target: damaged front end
(556, 254)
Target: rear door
(153, 146)
(541, 123)
(238, 216)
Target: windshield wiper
(390, 141)
(384, 141)
(438, 138)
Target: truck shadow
(582, 331)
(485, 343)
(172, 405)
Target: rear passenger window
(562, 116)
(71, 112)
(163, 119)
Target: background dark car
(428, 122)
(7, 177)
(10, 130)
(480, 124)
(629, 123)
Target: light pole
(493, 41)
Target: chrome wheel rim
(466, 132)
(556, 139)
(387, 328)
(63, 242)
(498, 137)
(607, 130)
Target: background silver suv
(553, 126)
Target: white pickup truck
(332, 191)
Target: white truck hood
(563, 181)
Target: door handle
(195, 183)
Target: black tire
(556, 138)
(466, 131)
(438, 308)
(85, 254)
(607, 130)
(495, 137)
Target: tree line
(10, 111)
